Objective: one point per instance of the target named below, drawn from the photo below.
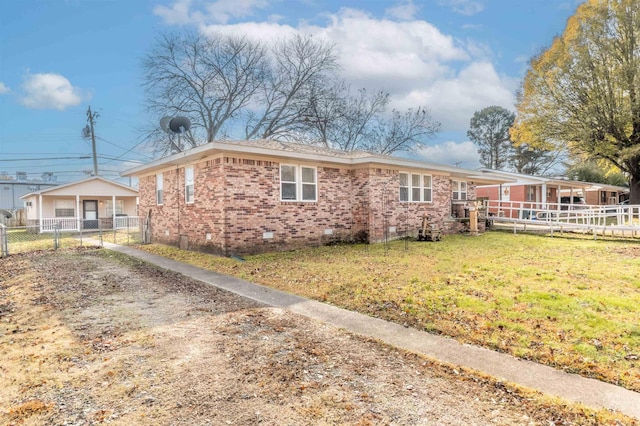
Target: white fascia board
(213, 148)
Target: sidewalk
(570, 387)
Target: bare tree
(208, 79)
(343, 121)
(288, 91)
(298, 67)
(402, 131)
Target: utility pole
(91, 116)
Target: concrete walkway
(545, 379)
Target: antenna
(175, 126)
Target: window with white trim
(531, 193)
(188, 184)
(404, 186)
(119, 207)
(65, 208)
(415, 187)
(459, 188)
(298, 183)
(159, 189)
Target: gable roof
(88, 187)
(295, 151)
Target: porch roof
(92, 186)
(523, 179)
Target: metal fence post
(56, 237)
(4, 241)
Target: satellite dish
(164, 123)
(179, 124)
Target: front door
(90, 208)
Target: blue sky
(57, 57)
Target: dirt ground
(89, 336)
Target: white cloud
(4, 88)
(178, 14)
(49, 91)
(464, 154)
(464, 7)
(454, 100)
(415, 61)
(404, 11)
(184, 12)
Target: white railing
(59, 223)
(74, 224)
(553, 213)
(123, 222)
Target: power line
(46, 158)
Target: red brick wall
(237, 201)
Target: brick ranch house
(254, 196)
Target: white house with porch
(92, 203)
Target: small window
(188, 184)
(308, 183)
(426, 188)
(288, 183)
(404, 186)
(531, 193)
(64, 208)
(459, 188)
(290, 190)
(159, 189)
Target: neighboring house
(602, 194)
(254, 196)
(89, 203)
(527, 193)
(12, 189)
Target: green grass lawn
(567, 302)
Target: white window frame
(531, 193)
(404, 186)
(189, 188)
(413, 189)
(159, 189)
(457, 191)
(300, 184)
(119, 207)
(66, 206)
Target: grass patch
(566, 302)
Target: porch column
(113, 211)
(40, 211)
(78, 216)
(544, 195)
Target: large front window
(459, 188)
(65, 208)
(415, 187)
(298, 183)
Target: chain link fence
(20, 239)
